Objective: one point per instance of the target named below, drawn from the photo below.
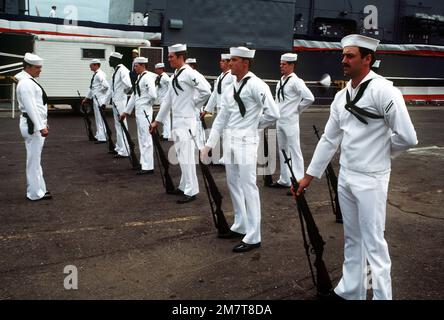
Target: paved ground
(129, 240)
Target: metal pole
(13, 100)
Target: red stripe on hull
(423, 97)
(52, 33)
(423, 53)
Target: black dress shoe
(112, 152)
(186, 199)
(137, 168)
(176, 192)
(278, 186)
(230, 235)
(93, 139)
(47, 196)
(119, 156)
(140, 172)
(244, 247)
(99, 142)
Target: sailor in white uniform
(120, 86)
(370, 122)
(142, 99)
(185, 97)
(222, 82)
(200, 134)
(163, 82)
(292, 97)
(32, 101)
(246, 106)
(99, 94)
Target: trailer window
(93, 53)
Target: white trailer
(67, 58)
(66, 62)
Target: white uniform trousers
(122, 147)
(100, 126)
(185, 150)
(166, 132)
(288, 139)
(363, 200)
(240, 157)
(36, 187)
(144, 137)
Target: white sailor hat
(356, 40)
(95, 61)
(376, 64)
(116, 55)
(177, 48)
(242, 52)
(141, 60)
(33, 59)
(225, 56)
(191, 60)
(159, 65)
(289, 57)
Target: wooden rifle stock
(86, 119)
(214, 196)
(332, 183)
(322, 280)
(131, 152)
(163, 161)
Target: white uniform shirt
(148, 92)
(297, 97)
(162, 88)
(187, 102)
(365, 148)
(261, 110)
(122, 84)
(21, 75)
(202, 81)
(29, 96)
(100, 88)
(52, 14)
(215, 98)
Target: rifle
(111, 145)
(332, 183)
(322, 281)
(86, 119)
(214, 196)
(204, 126)
(268, 179)
(131, 153)
(163, 161)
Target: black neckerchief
(159, 77)
(238, 98)
(44, 96)
(355, 110)
(175, 81)
(114, 75)
(281, 89)
(92, 80)
(137, 83)
(219, 83)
